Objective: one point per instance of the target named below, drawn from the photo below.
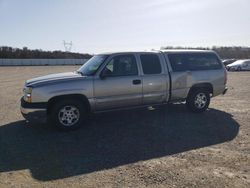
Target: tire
(238, 68)
(198, 100)
(67, 114)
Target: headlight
(27, 94)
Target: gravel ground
(167, 147)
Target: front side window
(150, 64)
(121, 65)
(246, 64)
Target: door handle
(136, 82)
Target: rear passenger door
(154, 78)
(180, 75)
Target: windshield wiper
(79, 72)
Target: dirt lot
(167, 147)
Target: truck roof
(157, 51)
(184, 50)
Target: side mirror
(105, 73)
(102, 76)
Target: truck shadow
(110, 140)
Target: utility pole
(67, 46)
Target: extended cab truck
(125, 80)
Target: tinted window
(194, 61)
(247, 63)
(150, 64)
(200, 61)
(178, 62)
(121, 65)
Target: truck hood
(53, 78)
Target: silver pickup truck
(125, 80)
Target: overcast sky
(115, 25)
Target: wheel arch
(207, 86)
(79, 97)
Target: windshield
(92, 65)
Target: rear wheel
(67, 114)
(238, 68)
(198, 100)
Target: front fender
(45, 92)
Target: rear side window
(178, 62)
(208, 61)
(150, 64)
(194, 61)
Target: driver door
(119, 84)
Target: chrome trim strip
(32, 110)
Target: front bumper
(34, 111)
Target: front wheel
(198, 100)
(67, 114)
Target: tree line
(25, 53)
(7, 52)
(224, 52)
